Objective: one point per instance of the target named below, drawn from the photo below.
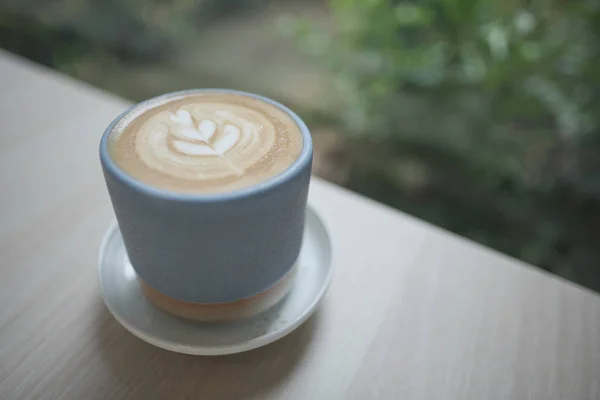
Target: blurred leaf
(409, 14)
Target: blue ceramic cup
(212, 248)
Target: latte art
(207, 143)
(204, 142)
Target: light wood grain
(413, 313)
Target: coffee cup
(209, 188)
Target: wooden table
(413, 313)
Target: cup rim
(295, 169)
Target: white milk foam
(209, 140)
(202, 141)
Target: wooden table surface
(413, 312)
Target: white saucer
(123, 297)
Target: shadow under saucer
(144, 371)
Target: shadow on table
(143, 371)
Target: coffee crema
(205, 142)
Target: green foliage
(131, 28)
(480, 116)
(141, 30)
(505, 84)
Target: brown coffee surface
(205, 142)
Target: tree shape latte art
(205, 141)
(204, 133)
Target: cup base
(219, 312)
(123, 297)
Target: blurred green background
(481, 117)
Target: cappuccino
(205, 142)
(205, 257)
